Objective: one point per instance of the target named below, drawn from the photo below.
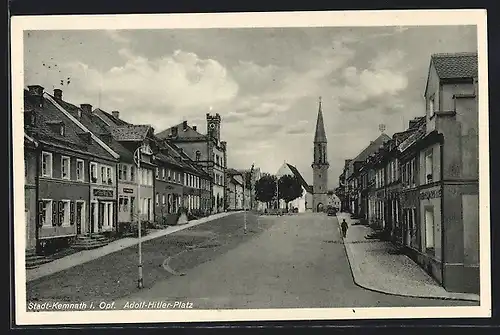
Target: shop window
(46, 164)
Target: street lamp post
(137, 158)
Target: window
(120, 204)
(428, 167)
(163, 173)
(125, 204)
(157, 198)
(163, 200)
(132, 173)
(198, 155)
(46, 213)
(185, 178)
(93, 172)
(109, 175)
(65, 167)
(157, 173)
(120, 171)
(65, 213)
(80, 170)
(47, 164)
(429, 228)
(125, 172)
(103, 175)
(168, 175)
(431, 106)
(61, 130)
(150, 179)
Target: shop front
(168, 196)
(431, 230)
(102, 209)
(127, 203)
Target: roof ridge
(454, 54)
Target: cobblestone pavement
(296, 261)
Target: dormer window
(198, 155)
(62, 130)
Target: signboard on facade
(99, 192)
(128, 190)
(430, 194)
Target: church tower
(320, 165)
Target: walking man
(344, 227)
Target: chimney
(184, 125)
(195, 128)
(58, 93)
(36, 90)
(116, 114)
(173, 131)
(87, 108)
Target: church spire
(320, 136)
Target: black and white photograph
(250, 166)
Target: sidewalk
(374, 268)
(89, 255)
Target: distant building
(320, 165)
(207, 151)
(302, 203)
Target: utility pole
(137, 158)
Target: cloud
(181, 82)
(299, 128)
(375, 87)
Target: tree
(290, 188)
(265, 188)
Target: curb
(356, 282)
(35, 275)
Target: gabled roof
(182, 133)
(98, 127)
(455, 65)
(108, 118)
(370, 149)
(130, 132)
(301, 179)
(71, 139)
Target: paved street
(115, 275)
(297, 261)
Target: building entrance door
(79, 211)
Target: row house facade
(71, 164)
(426, 187)
(208, 152)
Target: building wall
(30, 201)
(461, 239)
(433, 89)
(448, 90)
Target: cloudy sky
(264, 82)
